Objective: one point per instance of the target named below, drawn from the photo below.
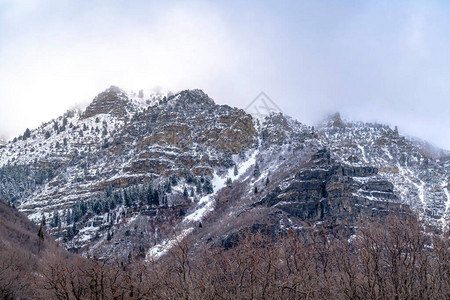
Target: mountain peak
(195, 96)
(111, 101)
(176, 157)
(335, 120)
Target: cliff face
(112, 101)
(192, 130)
(337, 194)
(128, 172)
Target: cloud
(47, 71)
(379, 61)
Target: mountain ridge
(127, 162)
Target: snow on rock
(447, 203)
(159, 250)
(206, 203)
(363, 153)
(204, 206)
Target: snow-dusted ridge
(75, 159)
(204, 206)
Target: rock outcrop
(112, 101)
(333, 193)
(128, 161)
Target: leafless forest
(399, 259)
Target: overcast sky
(372, 61)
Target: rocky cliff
(128, 174)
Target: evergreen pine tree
(198, 187)
(156, 197)
(126, 199)
(174, 180)
(41, 232)
(74, 229)
(207, 187)
(55, 220)
(256, 171)
(168, 187)
(149, 195)
(27, 134)
(236, 172)
(227, 159)
(185, 193)
(242, 153)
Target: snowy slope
(98, 172)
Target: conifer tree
(198, 187)
(126, 199)
(27, 134)
(174, 180)
(55, 220)
(41, 233)
(242, 153)
(207, 187)
(74, 229)
(168, 187)
(256, 171)
(155, 197)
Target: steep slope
(21, 257)
(74, 169)
(129, 175)
(420, 180)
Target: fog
(371, 61)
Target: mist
(373, 61)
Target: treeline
(394, 260)
(17, 182)
(142, 196)
(107, 203)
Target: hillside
(129, 175)
(22, 254)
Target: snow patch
(363, 152)
(159, 250)
(206, 203)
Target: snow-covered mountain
(130, 174)
(420, 176)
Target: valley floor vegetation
(398, 259)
